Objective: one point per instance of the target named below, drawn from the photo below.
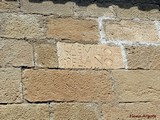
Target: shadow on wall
(144, 5)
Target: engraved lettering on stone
(86, 56)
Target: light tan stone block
(46, 55)
(137, 85)
(132, 111)
(9, 6)
(67, 85)
(77, 111)
(48, 7)
(75, 30)
(24, 112)
(10, 85)
(16, 53)
(143, 57)
(93, 10)
(89, 56)
(133, 31)
(140, 11)
(21, 26)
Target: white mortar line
(124, 57)
(157, 25)
(101, 29)
(128, 43)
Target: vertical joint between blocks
(124, 57)
(50, 113)
(157, 25)
(101, 31)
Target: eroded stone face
(132, 111)
(21, 26)
(129, 30)
(89, 56)
(93, 10)
(67, 85)
(75, 111)
(48, 7)
(10, 85)
(74, 30)
(141, 11)
(9, 6)
(24, 112)
(144, 57)
(46, 55)
(16, 53)
(137, 85)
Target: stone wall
(79, 60)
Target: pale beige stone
(132, 111)
(75, 111)
(16, 53)
(67, 85)
(10, 85)
(24, 112)
(151, 12)
(46, 55)
(75, 30)
(143, 57)
(137, 85)
(48, 7)
(89, 56)
(128, 30)
(93, 10)
(8, 6)
(21, 26)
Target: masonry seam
(157, 25)
(124, 57)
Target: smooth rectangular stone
(89, 56)
(67, 85)
(137, 85)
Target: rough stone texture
(20, 26)
(144, 31)
(139, 85)
(48, 7)
(73, 29)
(46, 55)
(16, 53)
(10, 87)
(143, 57)
(67, 85)
(141, 11)
(94, 11)
(24, 112)
(132, 111)
(8, 6)
(89, 56)
(77, 111)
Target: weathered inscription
(89, 56)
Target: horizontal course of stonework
(79, 59)
(66, 85)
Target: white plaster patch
(157, 24)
